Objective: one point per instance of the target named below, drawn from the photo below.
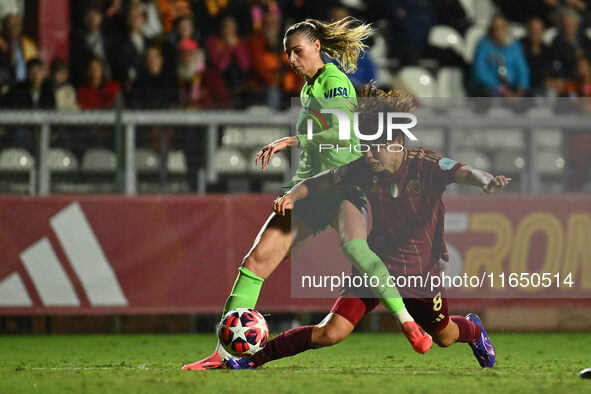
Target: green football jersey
(331, 90)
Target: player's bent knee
(256, 266)
(327, 336)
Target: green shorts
(318, 211)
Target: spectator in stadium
(228, 56)
(579, 141)
(190, 72)
(538, 56)
(16, 49)
(209, 13)
(34, 92)
(569, 43)
(451, 13)
(267, 55)
(409, 23)
(64, 93)
(499, 67)
(302, 9)
(199, 87)
(170, 10)
(152, 27)
(88, 43)
(184, 29)
(130, 49)
(153, 89)
(521, 11)
(366, 70)
(258, 10)
(98, 91)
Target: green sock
(367, 262)
(245, 291)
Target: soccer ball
(243, 332)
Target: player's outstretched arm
(489, 183)
(266, 153)
(318, 183)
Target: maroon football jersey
(407, 208)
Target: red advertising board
(180, 254)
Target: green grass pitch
(376, 363)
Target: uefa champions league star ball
(243, 332)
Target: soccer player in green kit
(344, 209)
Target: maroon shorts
(431, 314)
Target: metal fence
(213, 124)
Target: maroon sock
(288, 343)
(469, 331)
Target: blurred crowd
(219, 54)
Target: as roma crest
(415, 186)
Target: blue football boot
(483, 349)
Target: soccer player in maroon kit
(404, 187)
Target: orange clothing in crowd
(28, 45)
(171, 10)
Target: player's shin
(288, 343)
(245, 294)
(367, 262)
(245, 291)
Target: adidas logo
(51, 281)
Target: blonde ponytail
(341, 40)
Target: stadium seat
(146, 160)
(480, 11)
(473, 36)
(550, 163)
(379, 49)
(503, 138)
(17, 169)
(14, 159)
(446, 37)
(549, 138)
(417, 81)
(468, 6)
(474, 158)
(176, 162)
(278, 164)
(229, 161)
(508, 162)
(429, 138)
(451, 82)
(260, 109)
(233, 136)
(469, 138)
(99, 160)
(384, 76)
(549, 35)
(464, 138)
(61, 160)
(261, 136)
